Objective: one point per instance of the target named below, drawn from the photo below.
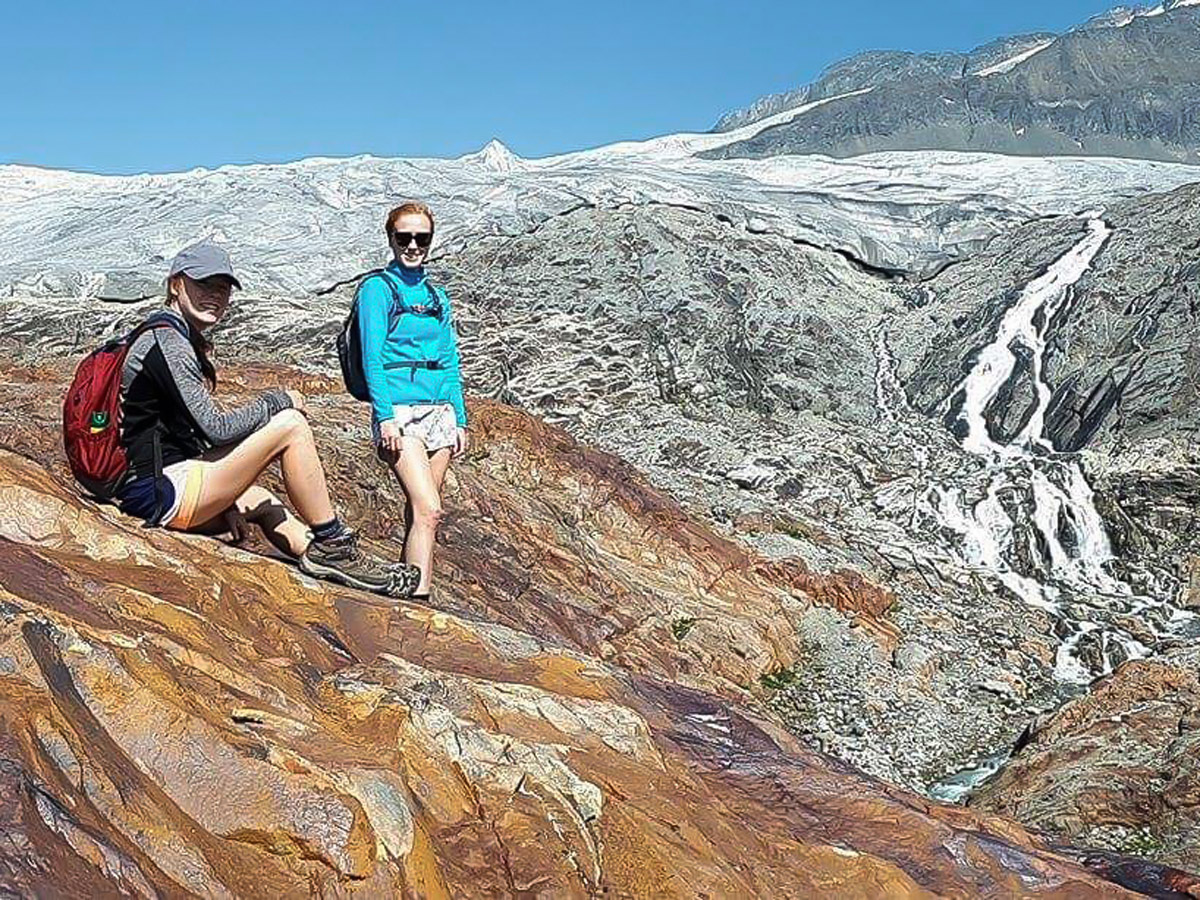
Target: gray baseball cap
(203, 260)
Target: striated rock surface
(1116, 352)
(739, 371)
(552, 538)
(180, 718)
(781, 392)
(1118, 768)
(1118, 359)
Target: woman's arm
(187, 385)
(451, 363)
(374, 307)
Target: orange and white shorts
(186, 479)
(178, 490)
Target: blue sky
(162, 86)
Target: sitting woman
(411, 366)
(192, 466)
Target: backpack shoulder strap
(437, 298)
(397, 308)
(157, 320)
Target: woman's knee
(428, 514)
(291, 423)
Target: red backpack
(92, 414)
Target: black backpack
(349, 347)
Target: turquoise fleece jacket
(418, 337)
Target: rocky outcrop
(1122, 86)
(1117, 357)
(1118, 768)
(750, 377)
(777, 391)
(185, 719)
(533, 515)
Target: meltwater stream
(1037, 529)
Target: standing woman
(410, 362)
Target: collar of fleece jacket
(411, 277)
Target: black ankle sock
(328, 530)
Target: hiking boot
(405, 579)
(341, 560)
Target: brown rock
(182, 718)
(547, 536)
(1119, 767)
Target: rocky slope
(1122, 85)
(958, 385)
(792, 398)
(186, 719)
(1117, 768)
(530, 518)
(738, 371)
(1116, 362)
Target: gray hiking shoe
(340, 559)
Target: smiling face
(409, 232)
(202, 303)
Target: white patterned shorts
(435, 424)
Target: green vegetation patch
(778, 679)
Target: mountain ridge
(1125, 84)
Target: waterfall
(1019, 327)
(1037, 529)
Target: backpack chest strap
(398, 307)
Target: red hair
(404, 209)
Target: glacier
(296, 229)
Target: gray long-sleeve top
(163, 391)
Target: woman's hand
(462, 443)
(298, 402)
(235, 524)
(389, 436)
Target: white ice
(1013, 61)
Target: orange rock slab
(181, 718)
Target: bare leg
(408, 512)
(439, 463)
(260, 507)
(286, 533)
(421, 476)
(228, 474)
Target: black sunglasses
(404, 238)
